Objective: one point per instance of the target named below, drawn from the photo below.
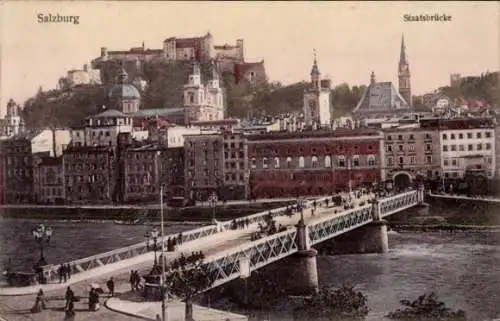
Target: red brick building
(313, 163)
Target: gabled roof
(381, 98)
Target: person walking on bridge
(111, 287)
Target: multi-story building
(102, 129)
(12, 124)
(203, 102)
(313, 163)
(467, 145)
(204, 156)
(49, 180)
(20, 153)
(2, 172)
(90, 174)
(317, 100)
(236, 173)
(411, 154)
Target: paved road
(17, 308)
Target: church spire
(402, 57)
(372, 78)
(315, 69)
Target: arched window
(301, 161)
(264, 162)
(253, 163)
(328, 161)
(276, 162)
(371, 160)
(314, 162)
(341, 161)
(191, 98)
(288, 162)
(355, 161)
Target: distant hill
(68, 107)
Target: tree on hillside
(333, 305)
(344, 98)
(188, 281)
(426, 307)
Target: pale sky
(351, 38)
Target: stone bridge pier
(369, 238)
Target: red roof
(472, 103)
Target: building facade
(2, 172)
(412, 154)
(90, 174)
(313, 163)
(236, 174)
(12, 124)
(204, 156)
(203, 102)
(467, 144)
(49, 180)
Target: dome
(124, 91)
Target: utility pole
(164, 315)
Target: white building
(467, 145)
(203, 102)
(175, 135)
(102, 129)
(316, 105)
(85, 76)
(12, 124)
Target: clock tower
(316, 105)
(404, 74)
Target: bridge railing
(396, 203)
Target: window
(453, 162)
(264, 162)
(301, 162)
(401, 148)
(412, 159)
(389, 137)
(445, 136)
(478, 135)
(461, 147)
(488, 146)
(191, 98)
(427, 136)
(355, 161)
(428, 147)
(412, 137)
(390, 161)
(460, 136)
(428, 159)
(314, 161)
(341, 161)
(276, 162)
(469, 135)
(454, 174)
(452, 136)
(401, 160)
(487, 134)
(446, 175)
(479, 146)
(371, 160)
(400, 137)
(446, 162)
(328, 161)
(470, 147)
(453, 148)
(429, 174)
(288, 162)
(445, 148)
(412, 148)
(389, 148)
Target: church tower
(316, 105)
(404, 74)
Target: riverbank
(192, 214)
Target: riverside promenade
(16, 302)
(488, 199)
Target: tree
(333, 305)
(189, 280)
(426, 307)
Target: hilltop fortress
(228, 58)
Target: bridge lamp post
(164, 292)
(42, 234)
(213, 203)
(153, 236)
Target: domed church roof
(122, 90)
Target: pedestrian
(111, 286)
(137, 282)
(132, 280)
(60, 272)
(91, 299)
(68, 270)
(39, 303)
(65, 273)
(69, 297)
(158, 318)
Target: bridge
(231, 254)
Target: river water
(463, 268)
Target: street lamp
(42, 234)
(213, 203)
(153, 236)
(164, 292)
